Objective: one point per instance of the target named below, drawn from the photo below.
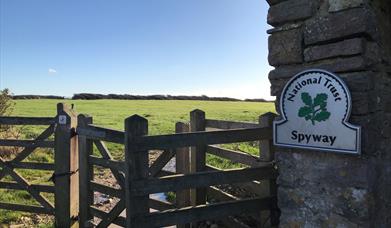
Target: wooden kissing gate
(196, 184)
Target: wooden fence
(193, 181)
(64, 168)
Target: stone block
(359, 81)
(291, 10)
(338, 5)
(286, 47)
(340, 25)
(339, 49)
(338, 65)
(360, 103)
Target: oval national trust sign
(315, 108)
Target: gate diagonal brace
(56, 175)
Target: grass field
(162, 116)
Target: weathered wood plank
(161, 161)
(266, 145)
(259, 187)
(224, 124)
(16, 186)
(137, 169)
(118, 193)
(66, 160)
(202, 179)
(160, 205)
(31, 165)
(201, 138)
(163, 173)
(107, 155)
(86, 171)
(101, 133)
(26, 143)
(266, 150)
(220, 195)
(17, 120)
(197, 158)
(204, 212)
(113, 215)
(182, 167)
(120, 221)
(235, 156)
(26, 208)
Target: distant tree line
(26, 97)
(93, 96)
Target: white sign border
(345, 122)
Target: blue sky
(190, 47)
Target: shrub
(6, 131)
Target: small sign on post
(315, 107)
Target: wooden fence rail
(157, 142)
(15, 120)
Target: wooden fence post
(86, 173)
(136, 169)
(266, 149)
(198, 156)
(182, 167)
(66, 174)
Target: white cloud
(52, 71)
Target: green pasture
(161, 114)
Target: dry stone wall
(351, 38)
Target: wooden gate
(137, 179)
(65, 170)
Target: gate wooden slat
(224, 124)
(31, 165)
(161, 161)
(16, 186)
(11, 120)
(101, 133)
(234, 156)
(160, 205)
(204, 212)
(161, 142)
(27, 208)
(202, 179)
(26, 143)
(112, 215)
(120, 221)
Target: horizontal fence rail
(26, 143)
(27, 208)
(204, 212)
(16, 186)
(224, 124)
(101, 133)
(235, 156)
(12, 120)
(201, 138)
(202, 179)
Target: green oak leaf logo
(314, 110)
